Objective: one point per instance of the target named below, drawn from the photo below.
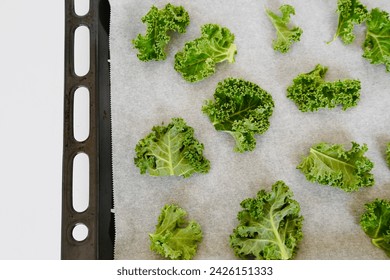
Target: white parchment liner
(147, 94)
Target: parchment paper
(148, 94)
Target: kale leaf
(377, 43)
(242, 109)
(270, 226)
(198, 58)
(175, 238)
(285, 36)
(350, 12)
(171, 150)
(331, 165)
(310, 92)
(151, 46)
(375, 222)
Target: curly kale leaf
(375, 222)
(175, 238)
(377, 43)
(151, 46)
(310, 92)
(331, 165)
(285, 36)
(171, 150)
(351, 12)
(270, 226)
(198, 58)
(242, 109)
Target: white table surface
(31, 124)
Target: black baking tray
(98, 217)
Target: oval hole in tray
(81, 111)
(81, 7)
(81, 51)
(80, 189)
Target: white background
(31, 124)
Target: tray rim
(98, 217)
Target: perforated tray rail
(98, 217)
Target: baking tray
(98, 217)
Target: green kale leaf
(198, 58)
(151, 46)
(270, 226)
(377, 43)
(310, 92)
(350, 12)
(285, 36)
(175, 238)
(331, 165)
(375, 222)
(171, 150)
(242, 109)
